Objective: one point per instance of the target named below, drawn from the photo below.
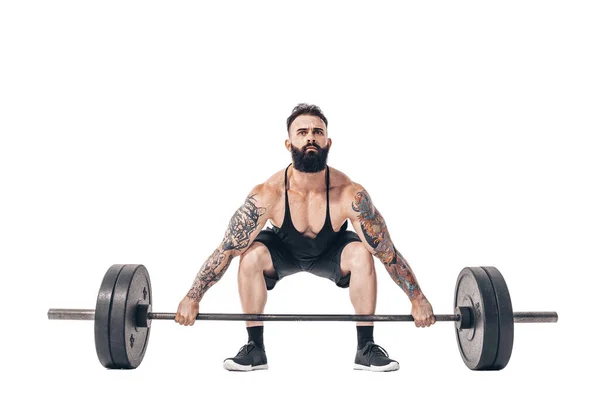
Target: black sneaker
(373, 357)
(249, 358)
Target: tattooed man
(308, 206)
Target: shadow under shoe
(251, 357)
(373, 357)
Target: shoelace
(376, 350)
(245, 349)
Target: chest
(308, 211)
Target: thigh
(329, 265)
(258, 257)
(282, 261)
(355, 257)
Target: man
(297, 200)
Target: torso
(308, 209)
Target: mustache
(315, 145)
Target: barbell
(483, 317)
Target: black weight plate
(127, 341)
(505, 319)
(102, 316)
(477, 345)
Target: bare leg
(255, 262)
(363, 294)
(357, 260)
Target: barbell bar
(88, 314)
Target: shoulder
(267, 193)
(339, 180)
(353, 196)
(349, 189)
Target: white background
(131, 131)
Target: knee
(358, 259)
(254, 259)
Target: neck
(307, 182)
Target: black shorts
(326, 266)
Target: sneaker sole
(231, 365)
(393, 366)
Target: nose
(311, 135)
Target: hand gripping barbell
(483, 317)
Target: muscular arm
(244, 226)
(371, 228)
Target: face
(308, 143)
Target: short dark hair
(305, 109)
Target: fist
(422, 313)
(187, 311)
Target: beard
(310, 161)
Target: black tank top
(301, 247)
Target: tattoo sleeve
(377, 236)
(237, 238)
(213, 269)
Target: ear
(328, 142)
(288, 145)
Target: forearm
(210, 273)
(401, 273)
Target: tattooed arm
(244, 226)
(372, 230)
